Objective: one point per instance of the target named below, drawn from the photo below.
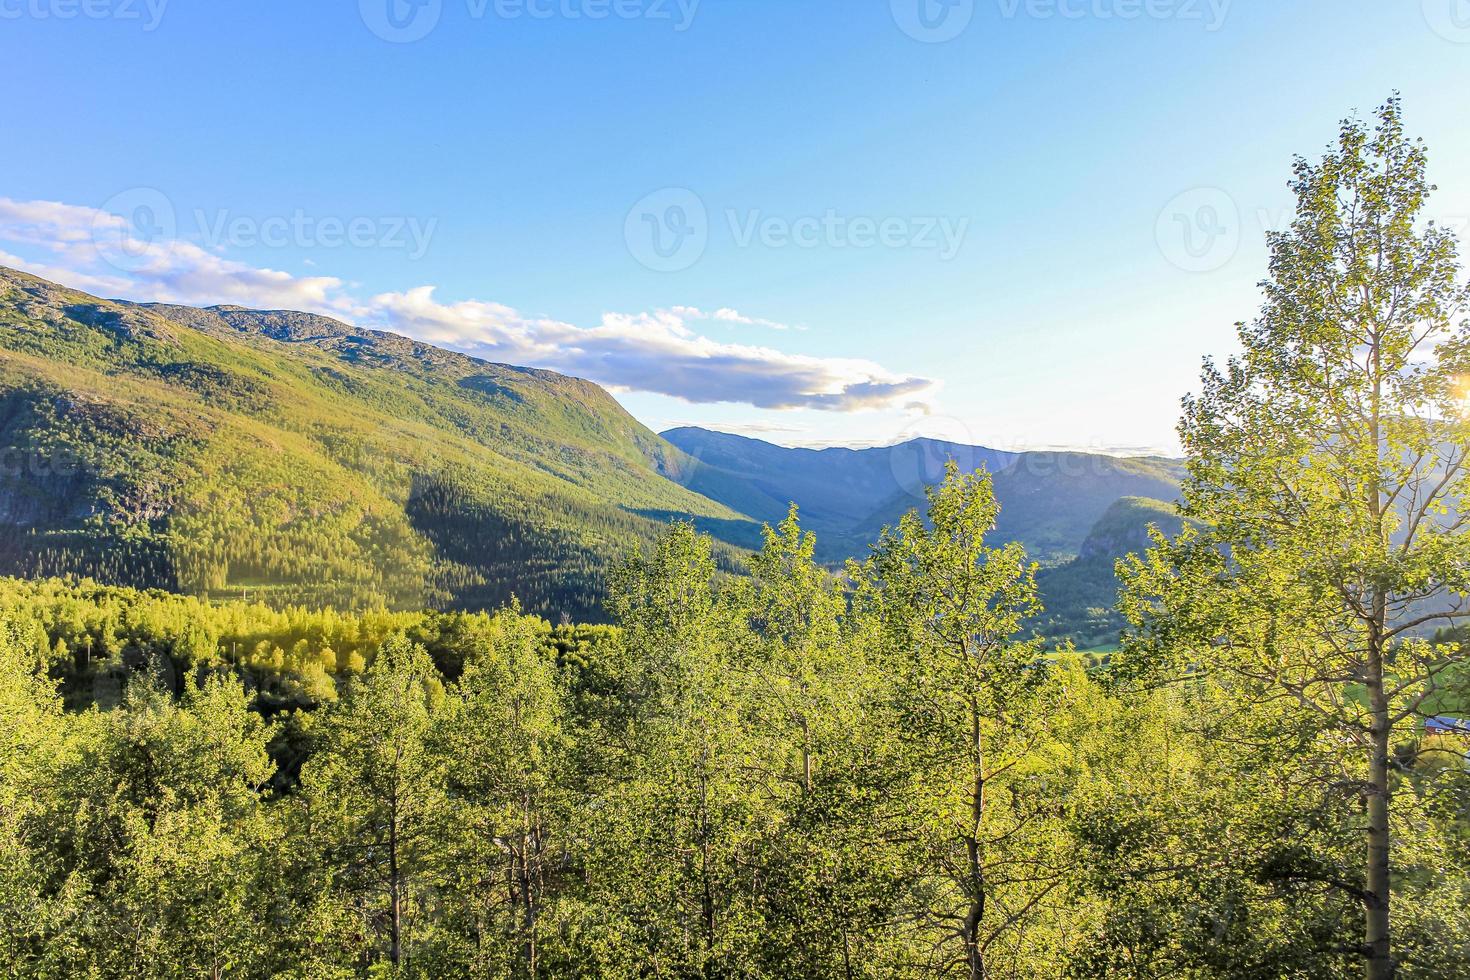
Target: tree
(830, 869)
(510, 792)
(677, 829)
(32, 739)
(1327, 469)
(1192, 856)
(376, 789)
(794, 608)
(970, 706)
(161, 828)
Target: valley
(292, 457)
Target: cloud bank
(658, 352)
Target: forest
(292, 456)
(881, 771)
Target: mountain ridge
(219, 449)
(1049, 500)
(345, 466)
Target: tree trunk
(974, 954)
(1378, 948)
(395, 887)
(395, 900)
(529, 847)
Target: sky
(1012, 223)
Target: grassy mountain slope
(214, 450)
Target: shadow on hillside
(740, 533)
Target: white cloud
(100, 285)
(652, 352)
(94, 250)
(728, 315)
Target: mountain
(1080, 595)
(1053, 502)
(304, 460)
(836, 489)
(1050, 501)
(1075, 513)
(210, 451)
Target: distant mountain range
(295, 458)
(1075, 513)
(1050, 501)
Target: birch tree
(1327, 471)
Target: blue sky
(867, 232)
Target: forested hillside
(788, 774)
(1081, 596)
(292, 456)
(782, 776)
